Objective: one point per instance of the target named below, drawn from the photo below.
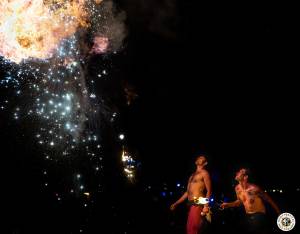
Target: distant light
(81, 187)
(163, 194)
(121, 136)
(93, 95)
(211, 199)
(68, 97)
(87, 194)
(274, 190)
(281, 191)
(68, 125)
(178, 185)
(78, 176)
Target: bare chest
(248, 195)
(196, 179)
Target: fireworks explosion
(34, 29)
(52, 41)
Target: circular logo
(286, 221)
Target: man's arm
(268, 199)
(180, 200)
(207, 182)
(236, 203)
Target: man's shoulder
(204, 172)
(254, 186)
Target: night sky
(214, 79)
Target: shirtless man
(199, 185)
(251, 197)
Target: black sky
(219, 79)
(213, 79)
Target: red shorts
(195, 220)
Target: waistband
(193, 203)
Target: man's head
(242, 175)
(201, 160)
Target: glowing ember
(129, 165)
(35, 28)
(100, 45)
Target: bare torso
(196, 186)
(251, 198)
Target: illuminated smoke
(100, 45)
(50, 41)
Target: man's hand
(173, 206)
(205, 209)
(224, 205)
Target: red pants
(195, 220)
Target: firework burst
(47, 44)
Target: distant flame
(100, 45)
(35, 28)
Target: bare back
(196, 185)
(251, 197)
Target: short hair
(247, 171)
(202, 155)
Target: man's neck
(244, 184)
(199, 168)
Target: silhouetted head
(201, 160)
(242, 174)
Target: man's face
(241, 175)
(200, 161)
